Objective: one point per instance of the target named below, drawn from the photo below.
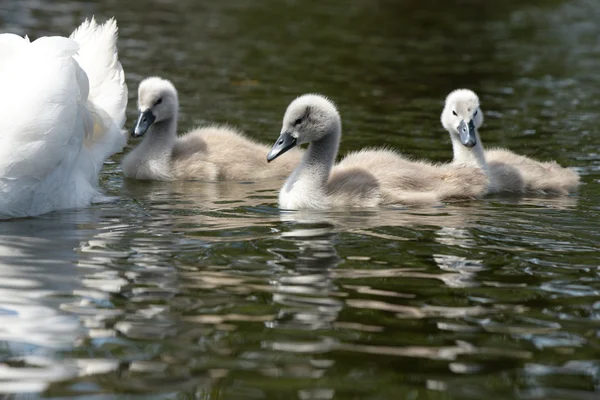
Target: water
(194, 290)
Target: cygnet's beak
(144, 121)
(285, 142)
(467, 133)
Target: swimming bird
(508, 172)
(63, 101)
(366, 178)
(211, 153)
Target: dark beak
(467, 133)
(144, 121)
(285, 142)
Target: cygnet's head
(462, 116)
(308, 118)
(157, 101)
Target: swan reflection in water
(39, 284)
(62, 277)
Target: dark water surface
(206, 291)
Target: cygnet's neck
(320, 156)
(160, 138)
(307, 184)
(473, 156)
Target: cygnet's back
(221, 153)
(540, 177)
(416, 181)
(209, 153)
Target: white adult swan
(63, 103)
(210, 153)
(508, 172)
(364, 179)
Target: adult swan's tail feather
(98, 56)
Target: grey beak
(144, 121)
(467, 133)
(285, 142)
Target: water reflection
(36, 279)
(166, 284)
(308, 296)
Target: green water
(195, 290)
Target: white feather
(59, 122)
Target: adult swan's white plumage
(63, 106)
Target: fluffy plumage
(211, 153)
(539, 177)
(409, 181)
(363, 179)
(64, 100)
(508, 172)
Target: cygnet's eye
(476, 111)
(454, 112)
(298, 122)
(158, 101)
